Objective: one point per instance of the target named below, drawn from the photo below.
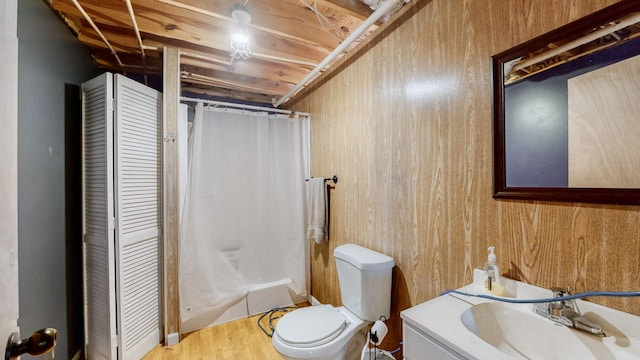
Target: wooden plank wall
(604, 153)
(407, 127)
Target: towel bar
(334, 179)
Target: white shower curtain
(243, 220)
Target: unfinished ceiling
(573, 46)
(288, 39)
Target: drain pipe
(380, 12)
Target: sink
(518, 332)
(456, 326)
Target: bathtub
(261, 298)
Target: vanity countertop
(499, 330)
(440, 319)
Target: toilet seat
(311, 326)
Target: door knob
(40, 342)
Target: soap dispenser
(492, 273)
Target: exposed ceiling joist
(288, 38)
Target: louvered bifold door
(138, 208)
(98, 219)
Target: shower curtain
(244, 212)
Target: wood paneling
(603, 128)
(407, 128)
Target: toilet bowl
(326, 332)
(320, 332)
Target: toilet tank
(365, 281)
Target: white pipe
(242, 106)
(206, 80)
(253, 55)
(278, 58)
(137, 31)
(380, 12)
(135, 26)
(95, 27)
(205, 58)
(628, 21)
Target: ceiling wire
(322, 20)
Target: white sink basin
(526, 335)
(479, 328)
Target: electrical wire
(397, 349)
(322, 19)
(554, 299)
(272, 316)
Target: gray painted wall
(8, 168)
(49, 56)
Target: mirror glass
(567, 112)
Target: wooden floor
(239, 339)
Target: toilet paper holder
(377, 332)
(375, 335)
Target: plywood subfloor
(238, 339)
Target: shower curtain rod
(242, 106)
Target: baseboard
(78, 355)
(313, 301)
(173, 339)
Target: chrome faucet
(565, 312)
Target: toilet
(326, 332)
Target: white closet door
(138, 206)
(122, 212)
(99, 244)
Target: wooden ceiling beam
(253, 68)
(194, 31)
(103, 12)
(231, 84)
(288, 39)
(256, 83)
(153, 59)
(226, 93)
(264, 85)
(121, 43)
(354, 8)
(292, 53)
(275, 17)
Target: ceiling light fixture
(240, 32)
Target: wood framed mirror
(566, 112)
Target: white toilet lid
(311, 326)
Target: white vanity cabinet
(460, 326)
(418, 345)
(421, 330)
